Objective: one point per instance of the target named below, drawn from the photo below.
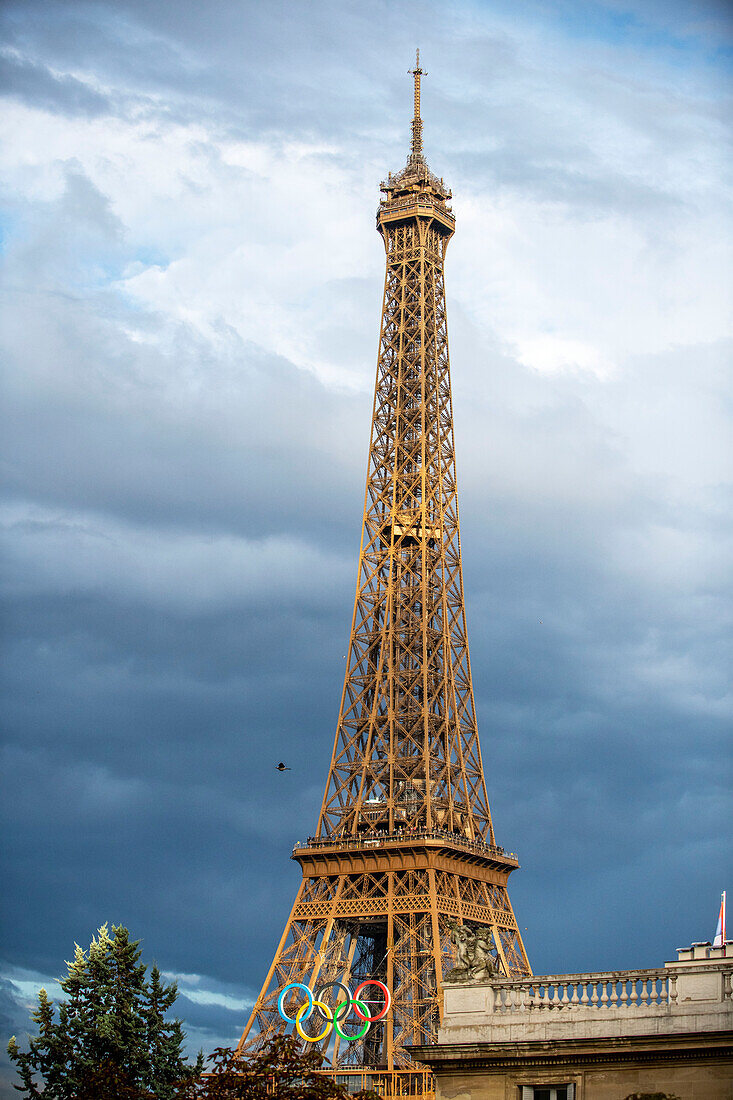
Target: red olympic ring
(387, 1000)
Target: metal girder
(404, 843)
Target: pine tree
(112, 1040)
(164, 1039)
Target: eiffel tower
(404, 849)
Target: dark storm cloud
(134, 831)
(113, 704)
(40, 88)
(14, 1020)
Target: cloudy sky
(190, 311)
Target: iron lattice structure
(405, 844)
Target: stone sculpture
(475, 962)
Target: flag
(720, 930)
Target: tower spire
(416, 153)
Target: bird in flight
(282, 767)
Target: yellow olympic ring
(327, 1029)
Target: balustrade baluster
(641, 988)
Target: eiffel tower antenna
(417, 73)
(404, 848)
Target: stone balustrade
(691, 994)
(615, 989)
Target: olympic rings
(333, 1016)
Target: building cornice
(465, 1057)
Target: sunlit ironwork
(405, 845)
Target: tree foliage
(280, 1069)
(651, 1096)
(111, 1039)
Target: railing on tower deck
(566, 992)
(418, 1083)
(406, 204)
(382, 839)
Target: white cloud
(267, 235)
(29, 983)
(200, 995)
(553, 354)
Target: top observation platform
(416, 192)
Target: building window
(548, 1092)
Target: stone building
(590, 1036)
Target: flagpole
(720, 933)
(723, 928)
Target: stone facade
(601, 1036)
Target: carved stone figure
(475, 962)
